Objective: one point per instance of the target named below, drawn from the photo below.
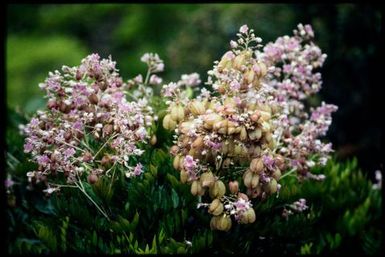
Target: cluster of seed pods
(225, 142)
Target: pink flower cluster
(294, 77)
(89, 128)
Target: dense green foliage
(155, 213)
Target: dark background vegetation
(41, 38)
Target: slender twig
(147, 76)
(288, 173)
(70, 145)
(81, 188)
(104, 145)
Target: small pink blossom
(138, 169)
(243, 29)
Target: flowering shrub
(89, 129)
(237, 142)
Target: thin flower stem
(64, 186)
(104, 145)
(65, 143)
(288, 173)
(81, 188)
(147, 76)
(85, 144)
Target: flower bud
(168, 122)
(207, 179)
(174, 150)
(217, 190)
(221, 90)
(92, 179)
(271, 187)
(107, 129)
(197, 108)
(257, 165)
(93, 98)
(216, 207)
(106, 160)
(234, 187)
(87, 157)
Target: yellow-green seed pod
(276, 174)
(256, 134)
(248, 216)
(210, 119)
(183, 176)
(207, 179)
(180, 113)
(217, 190)
(216, 207)
(271, 187)
(168, 122)
(238, 149)
(243, 134)
(224, 223)
(214, 222)
(249, 76)
(254, 181)
(197, 108)
(176, 162)
(198, 142)
(257, 165)
(247, 177)
(153, 140)
(196, 187)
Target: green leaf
(174, 198)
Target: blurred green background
(189, 37)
